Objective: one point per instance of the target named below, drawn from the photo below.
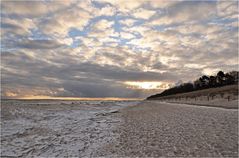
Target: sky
(113, 48)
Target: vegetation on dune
(204, 82)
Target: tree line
(204, 82)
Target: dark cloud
(38, 44)
(82, 79)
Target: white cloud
(18, 26)
(87, 5)
(103, 32)
(125, 5)
(33, 8)
(128, 22)
(141, 29)
(153, 39)
(227, 9)
(126, 35)
(61, 22)
(198, 28)
(210, 71)
(186, 13)
(194, 66)
(103, 25)
(162, 3)
(67, 41)
(106, 11)
(143, 13)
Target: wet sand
(153, 129)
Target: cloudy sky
(113, 48)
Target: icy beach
(58, 128)
(116, 129)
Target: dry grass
(224, 92)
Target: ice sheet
(59, 128)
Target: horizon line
(70, 98)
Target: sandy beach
(153, 129)
(116, 129)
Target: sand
(110, 129)
(154, 129)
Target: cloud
(92, 48)
(152, 39)
(143, 13)
(61, 22)
(21, 26)
(103, 32)
(103, 25)
(128, 22)
(126, 35)
(194, 66)
(198, 28)
(90, 42)
(140, 29)
(106, 11)
(46, 76)
(32, 8)
(124, 5)
(162, 3)
(38, 44)
(186, 11)
(227, 9)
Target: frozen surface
(58, 128)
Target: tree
(235, 75)
(212, 81)
(229, 79)
(220, 78)
(205, 81)
(197, 84)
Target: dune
(225, 97)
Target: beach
(116, 129)
(154, 129)
(43, 128)
(119, 78)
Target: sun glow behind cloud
(146, 85)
